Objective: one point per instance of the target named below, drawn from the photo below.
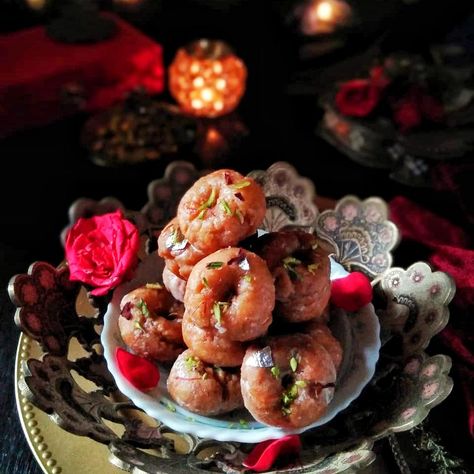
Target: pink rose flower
(101, 251)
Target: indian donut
(213, 347)
(203, 388)
(150, 323)
(321, 334)
(220, 210)
(232, 291)
(179, 254)
(174, 284)
(287, 381)
(301, 269)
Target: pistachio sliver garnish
(191, 362)
(241, 184)
(142, 306)
(313, 267)
(154, 286)
(275, 370)
(226, 208)
(293, 364)
(214, 265)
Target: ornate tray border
(412, 305)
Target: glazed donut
(212, 347)
(179, 254)
(321, 334)
(221, 209)
(175, 285)
(287, 381)
(204, 389)
(301, 269)
(150, 323)
(232, 291)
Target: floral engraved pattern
(290, 198)
(362, 234)
(429, 386)
(45, 300)
(164, 194)
(417, 305)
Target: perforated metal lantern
(207, 79)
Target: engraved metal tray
(61, 371)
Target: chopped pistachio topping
(226, 208)
(241, 184)
(293, 364)
(239, 216)
(289, 264)
(248, 278)
(216, 311)
(313, 267)
(170, 407)
(191, 362)
(217, 308)
(291, 261)
(141, 305)
(275, 370)
(205, 282)
(201, 214)
(138, 326)
(214, 265)
(211, 200)
(154, 286)
(243, 423)
(290, 395)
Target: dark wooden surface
(44, 170)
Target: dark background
(44, 170)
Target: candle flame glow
(325, 11)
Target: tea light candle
(207, 79)
(324, 16)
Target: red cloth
(35, 70)
(451, 253)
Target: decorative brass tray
(61, 370)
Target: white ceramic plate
(358, 333)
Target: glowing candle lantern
(207, 79)
(36, 4)
(324, 16)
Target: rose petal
(352, 292)
(264, 455)
(140, 372)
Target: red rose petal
(351, 292)
(140, 372)
(263, 456)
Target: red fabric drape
(36, 71)
(451, 252)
